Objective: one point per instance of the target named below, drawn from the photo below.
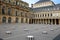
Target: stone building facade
(46, 12)
(14, 11)
(17, 11)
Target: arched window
(4, 20)
(3, 10)
(9, 20)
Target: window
(9, 1)
(57, 8)
(9, 11)
(3, 11)
(48, 15)
(54, 8)
(51, 14)
(16, 13)
(21, 14)
(38, 15)
(17, 3)
(45, 15)
(48, 9)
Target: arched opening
(22, 20)
(17, 20)
(4, 20)
(9, 20)
(57, 37)
(53, 21)
(30, 21)
(57, 21)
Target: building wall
(15, 11)
(42, 4)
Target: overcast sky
(33, 1)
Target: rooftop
(46, 7)
(42, 1)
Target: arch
(9, 20)
(57, 37)
(57, 21)
(17, 20)
(22, 20)
(4, 20)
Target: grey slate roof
(46, 8)
(42, 1)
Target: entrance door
(22, 20)
(16, 20)
(9, 20)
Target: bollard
(30, 37)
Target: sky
(34, 1)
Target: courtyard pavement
(21, 31)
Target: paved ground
(20, 31)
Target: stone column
(46, 21)
(51, 21)
(6, 19)
(19, 20)
(13, 20)
(43, 21)
(28, 20)
(55, 21)
(59, 21)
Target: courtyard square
(21, 31)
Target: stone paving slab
(18, 32)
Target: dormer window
(17, 3)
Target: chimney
(32, 5)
